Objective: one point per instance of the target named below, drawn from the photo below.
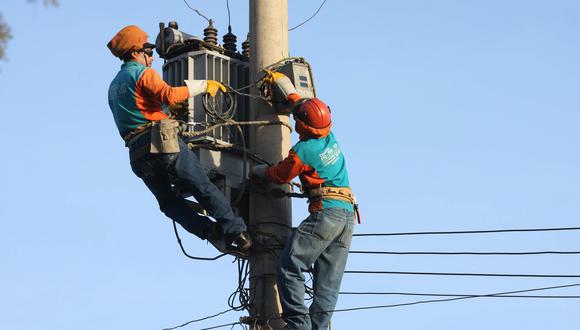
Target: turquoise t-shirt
(325, 156)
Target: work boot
(242, 241)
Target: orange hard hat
(312, 118)
(129, 39)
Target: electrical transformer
(189, 57)
(220, 149)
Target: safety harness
(344, 194)
(137, 131)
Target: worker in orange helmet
(322, 240)
(137, 97)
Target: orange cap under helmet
(130, 38)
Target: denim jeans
(154, 170)
(323, 240)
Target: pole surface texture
(270, 218)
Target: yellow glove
(282, 81)
(213, 87)
(273, 76)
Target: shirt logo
(330, 155)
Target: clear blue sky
(453, 115)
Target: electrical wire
(197, 11)
(431, 301)
(185, 252)
(222, 326)
(378, 272)
(468, 232)
(311, 17)
(229, 15)
(465, 253)
(217, 115)
(453, 295)
(458, 298)
(199, 320)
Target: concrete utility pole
(268, 44)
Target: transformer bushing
(246, 47)
(230, 40)
(210, 34)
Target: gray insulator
(246, 47)
(210, 33)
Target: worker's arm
(153, 85)
(283, 172)
(284, 84)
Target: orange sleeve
(153, 86)
(286, 170)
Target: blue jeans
(323, 240)
(154, 170)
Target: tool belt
(136, 132)
(338, 193)
(344, 194)
(164, 139)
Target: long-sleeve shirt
(137, 95)
(317, 162)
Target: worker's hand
(282, 82)
(259, 171)
(273, 76)
(213, 87)
(179, 108)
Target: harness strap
(136, 132)
(344, 194)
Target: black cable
(433, 301)
(458, 298)
(210, 105)
(465, 253)
(469, 232)
(186, 254)
(223, 325)
(197, 11)
(311, 17)
(378, 272)
(199, 320)
(229, 15)
(242, 294)
(452, 295)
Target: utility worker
(323, 239)
(136, 97)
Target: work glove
(213, 87)
(210, 87)
(259, 171)
(281, 81)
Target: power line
(229, 15)
(377, 272)
(458, 298)
(454, 295)
(469, 232)
(433, 301)
(311, 17)
(197, 11)
(199, 320)
(223, 325)
(464, 253)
